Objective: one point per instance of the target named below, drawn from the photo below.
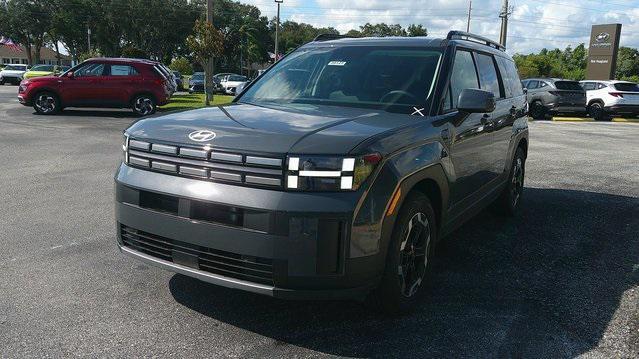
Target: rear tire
(144, 105)
(510, 199)
(408, 260)
(46, 103)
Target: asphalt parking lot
(559, 280)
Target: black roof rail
(328, 37)
(463, 35)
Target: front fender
(373, 225)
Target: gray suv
(334, 174)
(548, 97)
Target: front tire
(596, 111)
(409, 256)
(144, 105)
(46, 103)
(510, 199)
(537, 111)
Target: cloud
(535, 24)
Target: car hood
(47, 78)
(12, 72)
(243, 127)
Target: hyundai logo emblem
(603, 37)
(202, 135)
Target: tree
(417, 30)
(206, 43)
(182, 65)
(627, 63)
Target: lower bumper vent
(252, 269)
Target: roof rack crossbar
(328, 37)
(462, 35)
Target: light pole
(277, 29)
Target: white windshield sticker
(337, 63)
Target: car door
(85, 86)
(516, 105)
(119, 84)
(470, 138)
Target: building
(18, 55)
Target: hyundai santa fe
(334, 174)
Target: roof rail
(328, 37)
(462, 35)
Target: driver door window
(464, 76)
(90, 70)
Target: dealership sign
(602, 54)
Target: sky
(534, 24)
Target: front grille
(204, 163)
(252, 269)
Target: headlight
(125, 148)
(324, 173)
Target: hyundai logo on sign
(202, 135)
(603, 37)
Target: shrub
(182, 65)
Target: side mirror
(476, 101)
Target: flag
(10, 44)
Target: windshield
(47, 68)
(237, 78)
(395, 79)
(197, 77)
(627, 87)
(16, 68)
(568, 85)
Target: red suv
(141, 85)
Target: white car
(12, 74)
(231, 82)
(611, 98)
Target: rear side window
(123, 70)
(626, 87)
(533, 84)
(588, 86)
(464, 76)
(568, 85)
(510, 77)
(488, 74)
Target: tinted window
(600, 86)
(533, 84)
(92, 69)
(510, 77)
(16, 68)
(46, 68)
(464, 75)
(589, 86)
(627, 87)
(237, 78)
(568, 85)
(488, 74)
(390, 78)
(123, 70)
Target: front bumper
(297, 241)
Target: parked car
(44, 70)
(99, 82)
(196, 83)
(229, 83)
(332, 183)
(607, 98)
(241, 87)
(550, 96)
(178, 80)
(12, 74)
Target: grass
(193, 101)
